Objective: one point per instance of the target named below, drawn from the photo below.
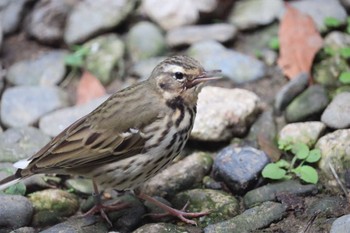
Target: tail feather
(10, 180)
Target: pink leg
(181, 214)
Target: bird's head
(181, 76)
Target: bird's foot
(181, 214)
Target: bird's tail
(11, 180)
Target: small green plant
(283, 169)
(77, 58)
(344, 78)
(332, 22)
(274, 43)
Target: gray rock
(11, 13)
(270, 191)
(24, 105)
(145, 40)
(24, 230)
(46, 70)
(238, 67)
(144, 68)
(52, 204)
(304, 132)
(328, 207)
(96, 16)
(176, 13)
(66, 116)
(105, 56)
(20, 143)
(223, 113)
(239, 168)
(1, 39)
(341, 224)
(336, 40)
(335, 151)
(161, 228)
(15, 211)
(187, 35)
(179, 176)
(327, 72)
(47, 20)
(251, 219)
(308, 104)
(320, 10)
(78, 225)
(289, 91)
(221, 205)
(253, 13)
(337, 113)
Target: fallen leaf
(299, 42)
(89, 88)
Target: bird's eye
(179, 75)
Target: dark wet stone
(308, 104)
(328, 207)
(269, 192)
(20, 143)
(289, 91)
(239, 168)
(15, 211)
(251, 219)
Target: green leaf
(307, 174)
(301, 150)
(314, 156)
(17, 189)
(283, 163)
(274, 43)
(345, 52)
(329, 51)
(272, 171)
(332, 22)
(285, 144)
(344, 78)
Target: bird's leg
(181, 214)
(99, 207)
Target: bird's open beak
(203, 77)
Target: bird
(131, 136)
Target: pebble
(221, 205)
(144, 68)
(308, 104)
(250, 220)
(50, 205)
(105, 57)
(336, 40)
(289, 91)
(20, 143)
(302, 132)
(223, 113)
(176, 13)
(187, 35)
(328, 207)
(238, 67)
(145, 40)
(11, 13)
(337, 113)
(252, 13)
(24, 230)
(24, 105)
(327, 71)
(46, 70)
(239, 168)
(78, 225)
(270, 191)
(161, 227)
(80, 185)
(66, 116)
(47, 20)
(97, 16)
(341, 224)
(15, 211)
(179, 176)
(335, 150)
(320, 10)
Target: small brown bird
(131, 136)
